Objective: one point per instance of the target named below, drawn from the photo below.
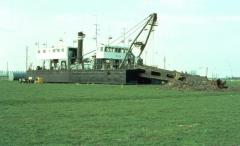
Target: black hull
(86, 76)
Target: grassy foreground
(73, 114)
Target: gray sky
(192, 34)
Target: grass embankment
(70, 114)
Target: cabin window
(106, 49)
(58, 50)
(117, 50)
(101, 49)
(62, 50)
(39, 51)
(53, 50)
(44, 51)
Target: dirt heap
(195, 82)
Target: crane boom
(129, 58)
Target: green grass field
(75, 114)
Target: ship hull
(86, 76)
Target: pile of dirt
(196, 83)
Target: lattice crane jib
(139, 43)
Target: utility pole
(26, 58)
(206, 72)
(164, 62)
(7, 70)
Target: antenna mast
(96, 33)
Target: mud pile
(194, 82)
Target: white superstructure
(58, 57)
(52, 53)
(111, 52)
(63, 57)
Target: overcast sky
(191, 34)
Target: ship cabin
(59, 57)
(110, 57)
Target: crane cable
(137, 25)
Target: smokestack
(81, 36)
